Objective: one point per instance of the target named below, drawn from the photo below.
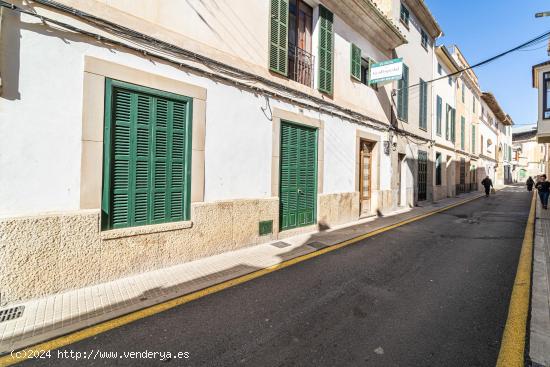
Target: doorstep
(59, 314)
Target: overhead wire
(543, 37)
(245, 78)
(218, 69)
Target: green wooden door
(298, 176)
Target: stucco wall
(48, 254)
(49, 244)
(49, 108)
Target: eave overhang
(534, 72)
(367, 19)
(491, 101)
(424, 15)
(469, 76)
(443, 53)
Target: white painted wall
(447, 92)
(40, 133)
(418, 60)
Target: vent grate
(266, 227)
(11, 313)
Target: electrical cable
(540, 38)
(283, 92)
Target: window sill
(405, 24)
(143, 230)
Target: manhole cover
(280, 244)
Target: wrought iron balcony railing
(300, 65)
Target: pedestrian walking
(530, 183)
(544, 191)
(487, 183)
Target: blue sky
(484, 28)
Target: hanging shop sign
(386, 71)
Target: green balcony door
(298, 176)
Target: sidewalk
(539, 340)
(60, 314)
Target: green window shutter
(448, 122)
(326, 53)
(473, 139)
(355, 64)
(439, 112)
(423, 113)
(278, 37)
(463, 93)
(403, 95)
(147, 155)
(462, 132)
(122, 180)
(453, 125)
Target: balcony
(300, 65)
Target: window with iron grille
(438, 169)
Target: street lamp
(542, 14)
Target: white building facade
(123, 154)
(413, 100)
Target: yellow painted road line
(102, 327)
(512, 348)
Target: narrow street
(431, 293)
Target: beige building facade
(413, 101)
(444, 105)
(246, 123)
(211, 126)
(530, 158)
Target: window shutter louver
(453, 125)
(473, 139)
(326, 54)
(423, 113)
(142, 127)
(122, 156)
(355, 66)
(278, 43)
(147, 171)
(403, 95)
(298, 175)
(439, 113)
(448, 123)
(462, 132)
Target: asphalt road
(431, 293)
